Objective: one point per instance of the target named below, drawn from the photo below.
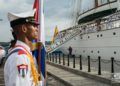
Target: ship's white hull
(98, 35)
(104, 43)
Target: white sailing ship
(96, 33)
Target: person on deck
(20, 69)
(70, 50)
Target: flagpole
(39, 37)
(42, 39)
(39, 16)
(42, 35)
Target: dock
(64, 75)
(72, 79)
(69, 71)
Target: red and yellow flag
(40, 52)
(55, 34)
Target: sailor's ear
(24, 28)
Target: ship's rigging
(81, 7)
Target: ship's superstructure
(97, 32)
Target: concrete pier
(74, 77)
(59, 75)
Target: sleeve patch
(22, 70)
(21, 52)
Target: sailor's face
(32, 31)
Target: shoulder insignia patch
(21, 52)
(22, 70)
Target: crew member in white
(20, 69)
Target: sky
(56, 12)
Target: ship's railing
(69, 35)
(107, 23)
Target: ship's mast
(96, 3)
(118, 1)
(76, 11)
(98, 20)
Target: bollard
(47, 56)
(63, 59)
(112, 65)
(80, 62)
(99, 65)
(59, 59)
(53, 56)
(89, 70)
(56, 57)
(68, 59)
(73, 61)
(50, 56)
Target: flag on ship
(55, 34)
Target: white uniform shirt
(17, 70)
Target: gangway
(70, 34)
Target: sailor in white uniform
(19, 69)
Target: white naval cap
(21, 18)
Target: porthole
(115, 52)
(101, 35)
(98, 51)
(75, 50)
(114, 33)
(83, 51)
(97, 35)
(88, 36)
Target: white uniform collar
(23, 44)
